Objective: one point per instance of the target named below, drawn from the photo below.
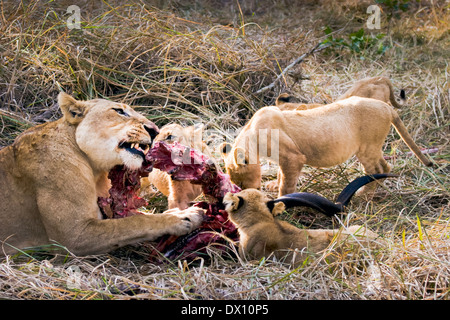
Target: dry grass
(204, 62)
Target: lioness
(379, 88)
(53, 174)
(319, 137)
(179, 193)
(261, 234)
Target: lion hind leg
(373, 163)
(288, 176)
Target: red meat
(182, 163)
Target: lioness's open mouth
(140, 149)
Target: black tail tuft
(402, 94)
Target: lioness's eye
(170, 137)
(121, 112)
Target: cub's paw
(185, 220)
(272, 186)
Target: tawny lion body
(53, 174)
(319, 137)
(379, 88)
(261, 234)
(284, 102)
(179, 193)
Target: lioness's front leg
(106, 235)
(74, 224)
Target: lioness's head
(109, 133)
(249, 206)
(242, 172)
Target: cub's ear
(283, 98)
(232, 202)
(224, 148)
(278, 208)
(72, 109)
(240, 157)
(198, 128)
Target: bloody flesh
(182, 163)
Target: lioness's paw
(186, 220)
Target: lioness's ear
(72, 109)
(224, 148)
(278, 208)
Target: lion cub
(320, 137)
(379, 88)
(284, 102)
(179, 193)
(261, 234)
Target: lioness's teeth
(147, 149)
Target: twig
(410, 153)
(318, 47)
(13, 116)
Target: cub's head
(249, 207)
(109, 133)
(243, 172)
(190, 136)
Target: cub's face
(246, 207)
(173, 133)
(191, 136)
(109, 133)
(242, 173)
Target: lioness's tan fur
(179, 193)
(319, 137)
(379, 88)
(52, 175)
(261, 234)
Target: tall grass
(204, 62)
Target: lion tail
(406, 137)
(392, 99)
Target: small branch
(410, 153)
(16, 118)
(318, 47)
